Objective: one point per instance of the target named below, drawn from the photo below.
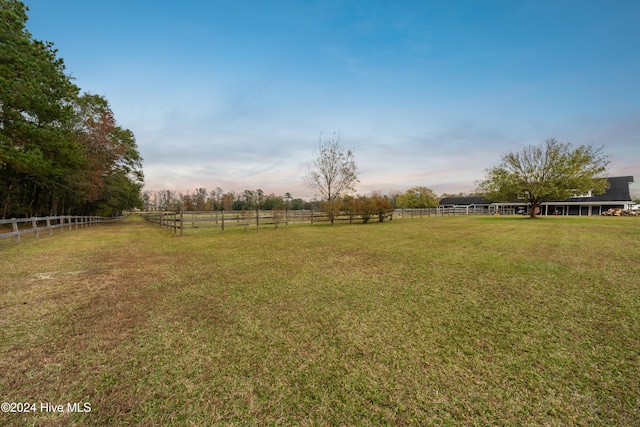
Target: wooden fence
(178, 222)
(35, 225)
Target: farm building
(466, 204)
(617, 196)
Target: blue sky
(236, 94)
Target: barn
(617, 196)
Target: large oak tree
(546, 172)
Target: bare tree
(334, 172)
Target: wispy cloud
(236, 94)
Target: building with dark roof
(617, 196)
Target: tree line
(61, 151)
(217, 200)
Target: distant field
(434, 321)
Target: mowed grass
(434, 321)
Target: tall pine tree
(59, 151)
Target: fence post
(222, 219)
(182, 223)
(34, 223)
(49, 227)
(14, 223)
(257, 219)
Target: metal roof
(618, 191)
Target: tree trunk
(7, 201)
(534, 207)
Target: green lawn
(434, 321)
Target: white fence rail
(36, 225)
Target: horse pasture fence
(36, 225)
(179, 222)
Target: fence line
(48, 223)
(178, 222)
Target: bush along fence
(178, 222)
(35, 225)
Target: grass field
(440, 321)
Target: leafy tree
(287, 199)
(109, 157)
(392, 197)
(227, 201)
(334, 172)
(331, 208)
(119, 193)
(35, 97)
(352, 206)
(59, 151)
(248, 199)
(186, 202)
(148, 201)
(417, 197)
(259, 198)
(546, 172)
(367, 209)
(373, 205)
(215, 199)
(381, 205)
(273, 202)
(200, 199)
(298, 204)
(168, 200)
